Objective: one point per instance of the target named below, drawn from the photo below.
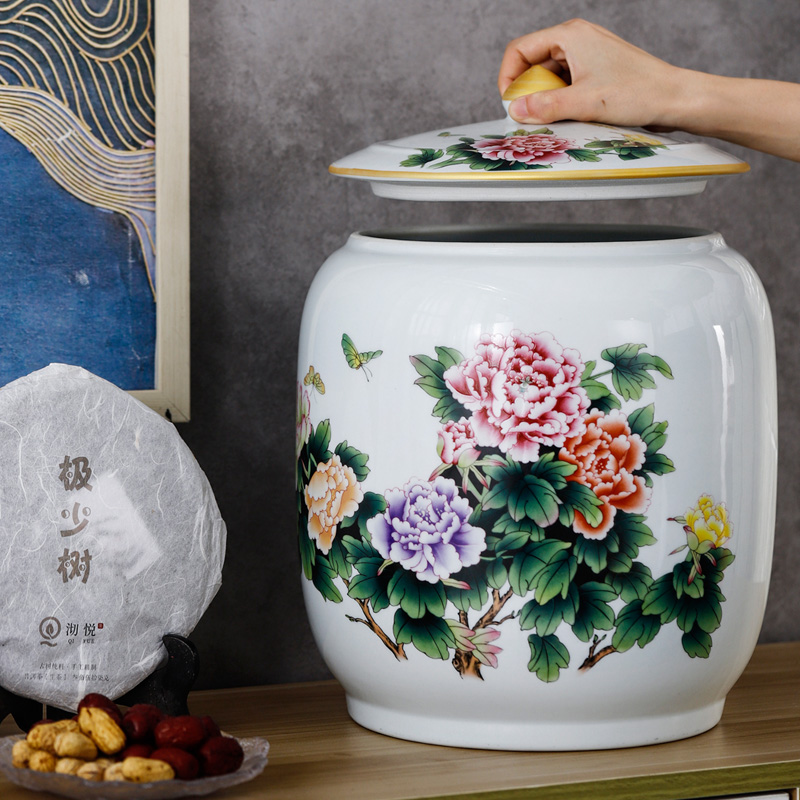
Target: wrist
(689, 100)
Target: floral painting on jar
(530, 149)
(532, 518)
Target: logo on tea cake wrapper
(49, 629)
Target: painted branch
(498, 601)
(594, 657)
(467, 665)
(398, 650)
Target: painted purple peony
(425, 530)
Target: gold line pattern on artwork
(97, 63)
(113, 180)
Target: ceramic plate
(255, 759)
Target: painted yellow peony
(709, 521)
(332, 494)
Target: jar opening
(538, 234)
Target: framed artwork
(94, 193)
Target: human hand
(611, 81)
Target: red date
(186, 766)
(140, 721)
(137, 750)
(220, 755)
(185, 732)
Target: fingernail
(518, 109)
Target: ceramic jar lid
(503, 160)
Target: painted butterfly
(355, 359)
(313, 379)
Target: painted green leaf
(555, 578)
(516, 533)
(430, 634)
(709, 609)
(580, 154)
(318, 442)
(661, 599)
(337, 559)
(548, 657)
(496, 573)
(414, 596)
(632, 585)
(448, 356)
(631, 369)
(634, 627)
(630, 154)
(370, 583)
(687, 615)
(619, 562)
(425, 155)
(546, 617)
(696, 643)
(716, 562)
(430, 371)
(641, 419)
(578, 497)
(600, 396)
(431, 380)
(528, 563)
(593, 612)
(553, 470)
(633, 533)
(523, 494)
(448, 409)
(658, 464)
(685, 581)
(358, 549)
(372, 505)
(608, 403)
(474, 597)
(594, 552)
(353, 458)
(526, 491)
(535, 499)
(322, 576)
(308, 552)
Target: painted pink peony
(606, 455)
(533, 148)
(456, 439)
(523, 391)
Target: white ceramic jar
(527, 458)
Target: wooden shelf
(316, 751)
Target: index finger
(539, 47)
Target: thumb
(545, 107)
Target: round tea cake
(110, 537)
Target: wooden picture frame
(171, 395)
(94, 194)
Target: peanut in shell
(100, 727)
(42, 761)
(71, 744)
(145, 770)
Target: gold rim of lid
(535, 79)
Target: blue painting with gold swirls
(77, 188)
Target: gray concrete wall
(280, 88)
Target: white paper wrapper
(110, 537)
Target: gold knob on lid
(535, 79)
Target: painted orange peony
(606, 456)
(332, 494)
